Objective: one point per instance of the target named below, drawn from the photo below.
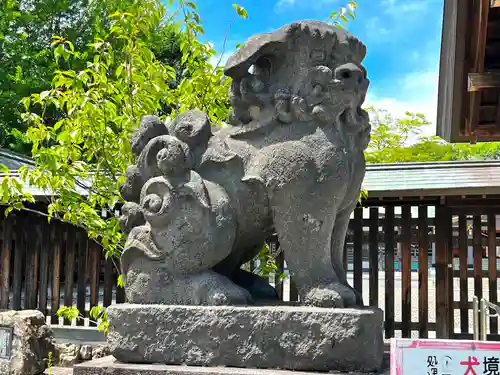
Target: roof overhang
(469, 73)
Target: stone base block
(110, 366)
(25, 342)
(272, 337)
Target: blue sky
(402, 38)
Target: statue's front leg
(337, 247)
(304, 226)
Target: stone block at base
(110, 366)
(26, 350)
(271, 337)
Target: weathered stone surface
(290, 161)
(31, 342)
(110, 366)
(86, 352)
(282, 337)
(100, 351)
(67, 354)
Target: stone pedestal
(110, 366)
(272, 337)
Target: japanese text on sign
(444, 357)
(5, 342)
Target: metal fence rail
(482, 310)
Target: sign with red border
(444, 357)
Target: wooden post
(444, 289)
(389, 272)
(374, 246)
(358, 250)
(406, 271)
(464, 288)
(81, 290)
(478, 257)
(45, 252)
(55, 241)
(423, 273)
(492, 268)
(5, 261)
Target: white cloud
(418, 95)
(396, 7)
(319, 4)
(376, 30)
(282, 3)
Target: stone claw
(332, 295)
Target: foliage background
(76, 76)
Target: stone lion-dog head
(305, 71)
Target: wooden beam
(478, 44)
(482, 81)
(452, 86)
(498, 109)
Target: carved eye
(318, 55)
(262, 67)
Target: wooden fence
(399, 255)
(47, 265)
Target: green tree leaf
(241, 11)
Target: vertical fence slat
(478, 258)
(450, 297)
(294, 292)
(423, 273)
(19, 256)
(69, 269)
(55, 242)
(81, 276)
(373, 237)
(280, 262)
(463, 254)
(389, 272)
(443, 305)
(94, 270)
(108, 283)
(492, 267)
(45, 254)
(478, 255)
(32, 267)
(5, 259)
(406, 271)
(358, 250)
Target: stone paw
(228, 295)
(331, 295)
(221, 298)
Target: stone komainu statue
(200, 203)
